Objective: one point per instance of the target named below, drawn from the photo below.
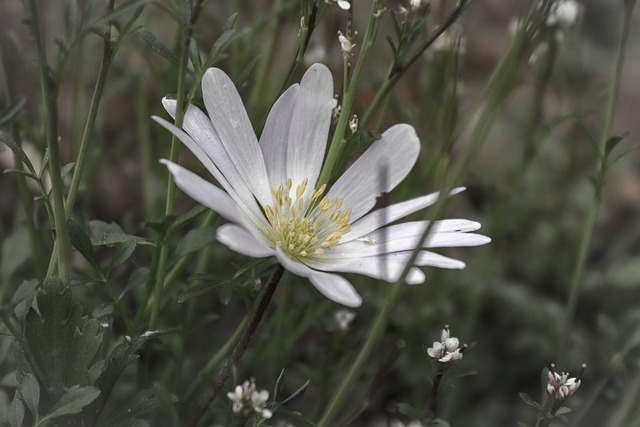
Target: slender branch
(240, 348)
(49, 90)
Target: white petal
(232, 125)
(204, 192)
(240, 240)
(387, 267)
(310, 126)
(394, 155)
(275, 136)
(389, 214)
(333, 286)
(201, 147)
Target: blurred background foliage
(530, 186)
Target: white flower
(345, 44)
(345, 5)
(275, 208)
(561, 386)
(343, 318)
(415, 4)
(447, 349)
(246, 399)
(564, 12)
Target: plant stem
(590, 220)
(49, 92)
(338, 141)
(239, 349)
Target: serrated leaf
(106, 234)
(141, 405)
(195, 240)
(157, 45)
(122, 253)
(72, 402)
(30, 392)
(80, 240)
(17, 150)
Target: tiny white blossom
(560, 386)
(246, 400)
(564, 12)
(343, 318)
(353, 124)
(345, 44)
(447, 349)
(345, 5)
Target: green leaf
(80, 240)
(16, 412)
(117, 12)
(13, 110)
(22, 172)
(64, 171)
(17, 150)
(246, 73)
(106, 234)
(195, 240)
(612, 142)
(194, 55)
(135, 409)
(123, 252)
(298, 393)
(186, 218)
(30, 392)
(72, 402)
(529, 401)
(157, 45)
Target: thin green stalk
(263, 68)
(396, 71)
(338, 141)
(215, 360)
(91, 119)
(49, 92)
(26, 200)
(589, 223)
(239, 349)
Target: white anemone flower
(271, 199)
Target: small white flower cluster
(447, 350)
(560, 385)
(247, 400)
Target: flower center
(305, 225)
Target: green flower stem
(239, 349)
(590, 220)
(91, 119)
(259, 87)
(49, 91)
(26, 200)
(338, 141)
(396, 71)
(433, 397)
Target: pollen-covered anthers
(301, 226)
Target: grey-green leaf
(159, 47)
(30, 391)
(73, 401)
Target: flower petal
(388, 267)
(240, 240)
(389, 214)
(275, 136)
(232, 125)
(333, 286)
(310, 126)
(204, 192)
(394, 155)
